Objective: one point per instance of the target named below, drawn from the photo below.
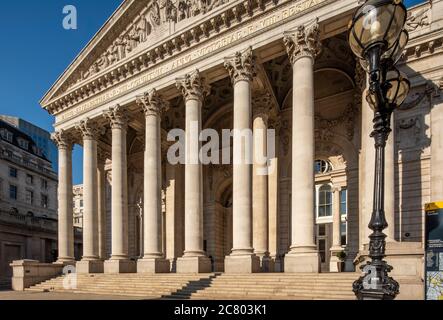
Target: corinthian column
(101, 195)
(65, 196)
(119, 261)
(242, 258)
(153, 259)
(260, 208)
(303, 46)
(91, 262)
(194, 260)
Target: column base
(199, 264)
(120, 266)
(66, 262)
(242, 264)
(302, 262)
(153, 265)
(89, 266)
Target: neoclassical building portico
(282, 65)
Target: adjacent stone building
(283, 65)
(28, 201)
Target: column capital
(241, 66)
(262, 106)
(152, 103)
(63, 140)
(89, 129)
(117, 117)
(337, 189)
(303, 42)
(193, 86)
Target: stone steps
(212, 286)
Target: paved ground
(12, 295)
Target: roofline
(85, 48)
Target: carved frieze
(144, 66)
(324, 128)
(418, 19)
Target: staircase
(265, 286)
(275, 286)
(5, 284)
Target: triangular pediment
(134, 26)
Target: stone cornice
(220, 20)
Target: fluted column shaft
(241, 69)
(101, 195)
(65, 197)
(303, 46)
(193, 89)
(152, 261)
(390, 184)
(118, 121)
(90, 199)
(336, 219)
(260, 196)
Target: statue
(133, 38)
(143, 29)
(120, 48)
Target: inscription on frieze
(204, 49)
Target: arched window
(325, 201)
(322, 167)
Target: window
(29, 179)
(324, 201)
(44, 184)
(45, 201)
(344, 217)
(24, 144)
(13, 192)
(81, 203)
(7, 135)
(29, 197)
(13, 172)
(322, 167)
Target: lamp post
(378, 38)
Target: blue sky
(36, 49)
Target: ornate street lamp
(378, 38)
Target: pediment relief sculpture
(417, 19)
(145, 29)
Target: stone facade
(284, 65)
(28, 201)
